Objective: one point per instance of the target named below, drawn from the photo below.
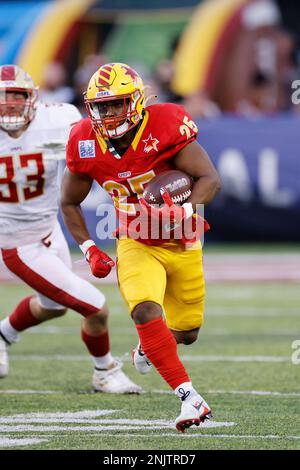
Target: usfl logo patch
(86, 149)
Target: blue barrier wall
(259, 163)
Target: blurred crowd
(255, 80)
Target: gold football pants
(170, 275)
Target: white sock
(8, 331)
(186, 390)
(104, 361)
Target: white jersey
(28, 175)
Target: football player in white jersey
(33, 137)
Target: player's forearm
(205, 189)
(75, 222)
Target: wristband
(188, 209)
(86, 245)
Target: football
(177, 183)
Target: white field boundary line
(208, 358)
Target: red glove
(170, 214)
(100, 262)
(176, 219)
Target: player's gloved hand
(170, 214)
(100, 263)
(176, 221)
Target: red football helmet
(16, 113)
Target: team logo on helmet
(129, 71)
(115, 84)
(106, 76)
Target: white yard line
(89, 421)
(87, 414)
(93, 421)
(9, 442)
(207, 358)
(32, 428)
(13, 442)
(109, 426)
(123, 424)
(92, 417)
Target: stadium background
(232, 64)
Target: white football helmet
(16, 114)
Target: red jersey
(164, 131)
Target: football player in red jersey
(123, 145)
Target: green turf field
(244, 349)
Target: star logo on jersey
(151, 143)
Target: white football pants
(46, 267)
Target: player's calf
(108, 376)
(186, 337)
